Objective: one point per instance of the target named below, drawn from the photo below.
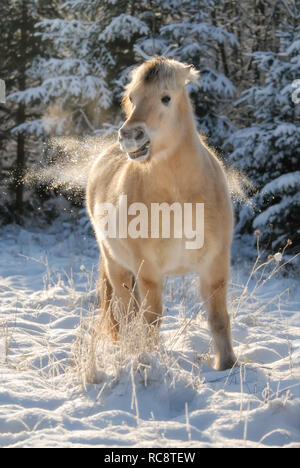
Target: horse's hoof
(226, 364)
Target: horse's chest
(174, 258)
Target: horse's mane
(160, 72)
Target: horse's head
(155, 103)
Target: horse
(160, 158)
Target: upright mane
(160, 72)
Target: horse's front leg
(149, 290)
(117, 296)
(214, 292)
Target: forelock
(157, 71)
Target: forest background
(65, 65)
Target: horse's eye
(165, 100)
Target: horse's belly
(178, 259)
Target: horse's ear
(191, 74)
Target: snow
(286, 182)
(218, 83)
(274, 211)
(168, 397)
(123, 27)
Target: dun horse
(160, 158)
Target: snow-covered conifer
(269, 150)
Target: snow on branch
(123, 27)
(284, 183)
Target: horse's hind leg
(214, 291)
(116, 296)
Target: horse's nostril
(136, 133)
(123, 134)
(139, 134)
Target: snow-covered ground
(170, 397)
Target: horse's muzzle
(135, 141)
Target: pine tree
(5, 119)
(70, 75)
(19, 48)
(269, 150)
(90, 45)
(94, 46)
(254, 23)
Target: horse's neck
(186, 151)
(186, 143)
(183, 158)
(181, 168)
